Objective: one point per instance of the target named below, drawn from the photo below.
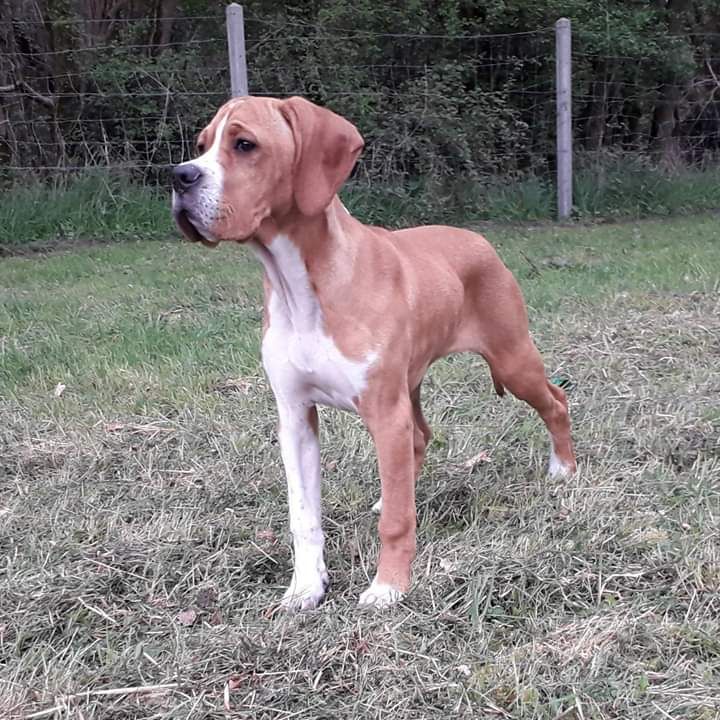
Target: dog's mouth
(182, 218)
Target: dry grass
(143, 522)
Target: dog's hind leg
(496, 327)
(520, 369)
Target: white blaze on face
(202, 202)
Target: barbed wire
(82, 168)
(269, 93)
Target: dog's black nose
(185, 176)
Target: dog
(353, 315)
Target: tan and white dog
(354, 315)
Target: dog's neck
(301, 255)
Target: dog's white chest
(302, 361)
(308, 367)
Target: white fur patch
(380, 595)
(301, 360)
(301, 457)
(304, 596)
(557, 468)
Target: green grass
(604, 189)
(627, 186)
(87, 207)
(82, 209)
(143, 524)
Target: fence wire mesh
(132, 93)
(623, 106)
(431, 104)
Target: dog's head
(261, 158)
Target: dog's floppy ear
(326, 148)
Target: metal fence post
(236, 49)
(563, 89)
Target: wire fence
(132, 94)
(646, 108)
(136, 105)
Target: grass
(143, 520)
(83, 208)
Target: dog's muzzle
(190, 205)
(185, 177)
(182, 218)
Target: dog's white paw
(380, 595)
(377, 507)
(306, 594)
(557, 468)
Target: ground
(143, 523)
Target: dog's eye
(244, 146)
(201, 148)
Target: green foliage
(164, 97)
(455, 100)
(432, 100)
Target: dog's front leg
(300, 450)
(392, 431)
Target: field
(143, 524)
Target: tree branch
(712, 72)
(44, 100)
